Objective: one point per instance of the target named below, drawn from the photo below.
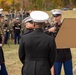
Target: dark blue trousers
(3, 70)
(6, 37)
(67, 67)
(16, 38)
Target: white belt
(0, 45)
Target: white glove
(0, 67)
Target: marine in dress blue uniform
(64, 54)
(29, 25)
(3, 70)
(37, 50)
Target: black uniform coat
(27, 31)
(1, 52)
(37, 52)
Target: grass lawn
(12, 61)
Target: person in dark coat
(3, 70)
(17, 31)
(63, 54)
(37, 50)
(6, 31)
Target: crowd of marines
(12, 28)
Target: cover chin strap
(0, 67)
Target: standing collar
(39, 29)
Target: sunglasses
(56, 15)
(31, 22)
